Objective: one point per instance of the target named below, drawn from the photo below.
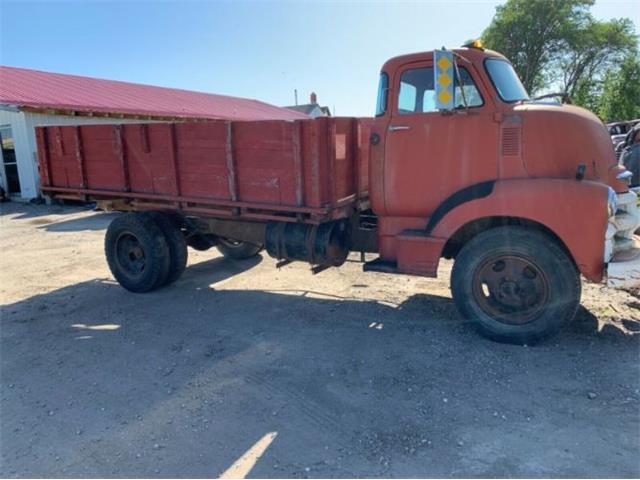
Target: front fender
(576, 211)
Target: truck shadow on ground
(97, 381)
(97, 221)
(24, 211)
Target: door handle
(397, 128)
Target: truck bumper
(622, 247)
(625, 272)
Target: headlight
(612, 202)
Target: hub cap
(129, 254)
(511, 289)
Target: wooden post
(173, 151)
(46, 161)
(297, 163)
(231, 166)
(121, 153)
(79, 156)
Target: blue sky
(260, 50)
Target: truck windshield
(506, 80)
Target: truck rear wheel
(137, 252)
(516, 285)
(236, 249)
(175, 241)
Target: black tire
(202, 243)
(516, 285)
(175, 241)
(238, 250)
(137, 252)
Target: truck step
(380, 265)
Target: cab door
(428, 154)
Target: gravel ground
(242, 368)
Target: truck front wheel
(137, 252)
(236, 249)
(515, 284)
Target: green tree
(620, 99)
(531, 33)
(589, 51)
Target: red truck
(525, 195)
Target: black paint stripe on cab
(472, 192)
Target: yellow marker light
(475, 44)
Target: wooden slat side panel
(43, 156)
(101, 162)
(150, 159)
(314, 160)
(65, 169)
(201, 160)
(264, 159)
(344, 149)
(308, 163)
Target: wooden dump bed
(306, 170)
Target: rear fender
(575, 211)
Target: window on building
(417, 92)
(9, 162)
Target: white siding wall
(23, 128)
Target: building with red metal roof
(30, 98)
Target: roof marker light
(474, 44)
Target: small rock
(591, 395)
(460, 443)
(445, 400)
(157, 446)
(50, 412)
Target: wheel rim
(130, 254)
(512, 289)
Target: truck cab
(501, 167)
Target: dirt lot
(339, 374)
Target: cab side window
(417, 91)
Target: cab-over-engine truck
(525, 195)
